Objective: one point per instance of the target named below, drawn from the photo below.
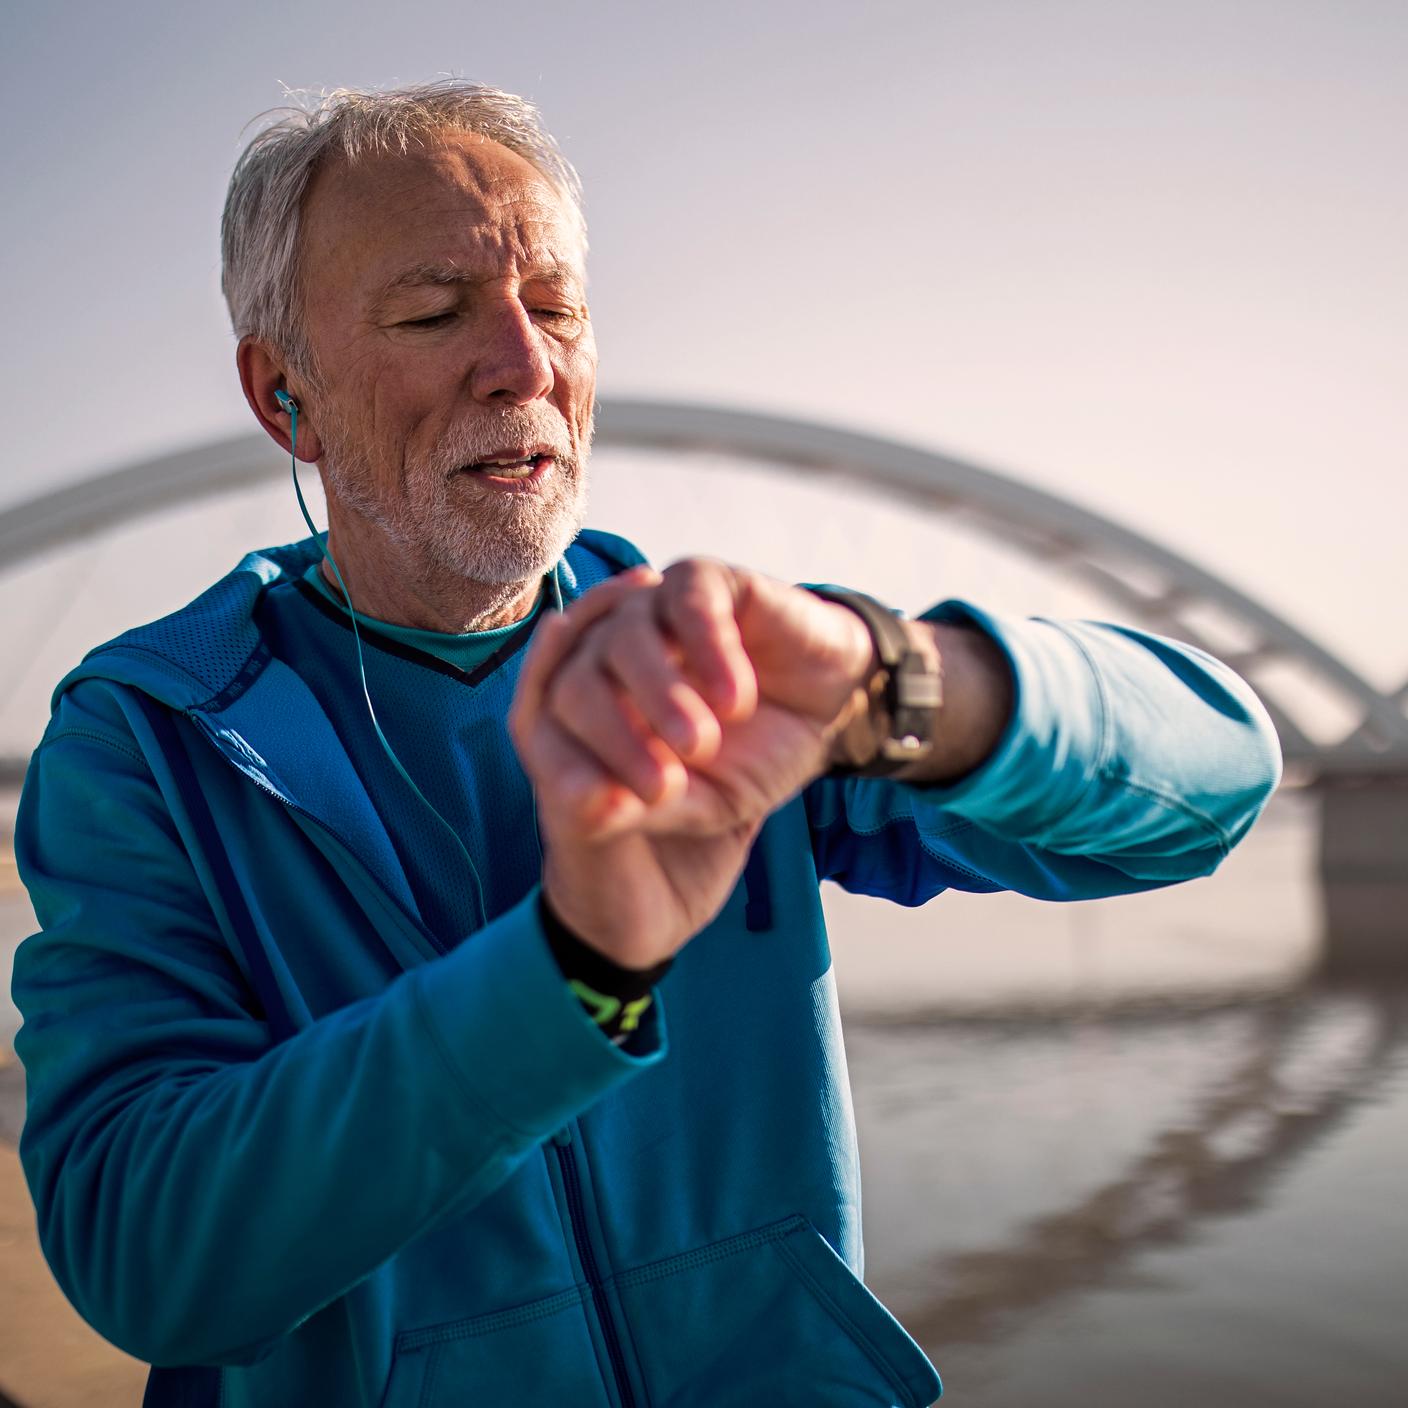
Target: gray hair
(260, 230)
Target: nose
(511, 363)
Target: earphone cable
(292, 407)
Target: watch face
(908, 749)
(914, 693)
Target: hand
(662, 718)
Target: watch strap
(904, 693)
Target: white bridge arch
(1065, 537)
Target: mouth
(507, 465)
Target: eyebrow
(432, 275)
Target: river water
(1140, 1152)
(1195, 1206)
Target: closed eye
(434, 320)
(560, 322)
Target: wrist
(859, 662)
(589, 963)
(616, 998)
(891, 720)
(979, 698)
(861, 659)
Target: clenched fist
(661, 718)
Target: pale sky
(1148, 255)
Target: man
(433, 1003)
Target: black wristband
(579, 961)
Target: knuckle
(693, 566)
(677, 703)
(695, 607)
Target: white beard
(444, 520)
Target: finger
(584, 701)
(578, 798)
(696, 605)
(646, 665)
(555, 636)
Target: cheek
(391, 423)
(578, 378)
(407, 414)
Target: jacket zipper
(576, 1215)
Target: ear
(263, 372)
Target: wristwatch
(896, 726)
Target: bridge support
(1364, 870)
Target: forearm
(1115, 743)
(977, 702)
(200, 1185)
(1124, 744)
(200, 1192)
(963, 670)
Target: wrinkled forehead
(461, 198)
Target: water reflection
(991, 1210)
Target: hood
(205, 654)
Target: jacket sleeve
(201, 1187)
(1130, 762)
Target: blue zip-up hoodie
(292, 1149)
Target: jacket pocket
(774, 1317)
(535, 1354)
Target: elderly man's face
(446, 306)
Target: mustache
(470, 443)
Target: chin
(501, 558)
